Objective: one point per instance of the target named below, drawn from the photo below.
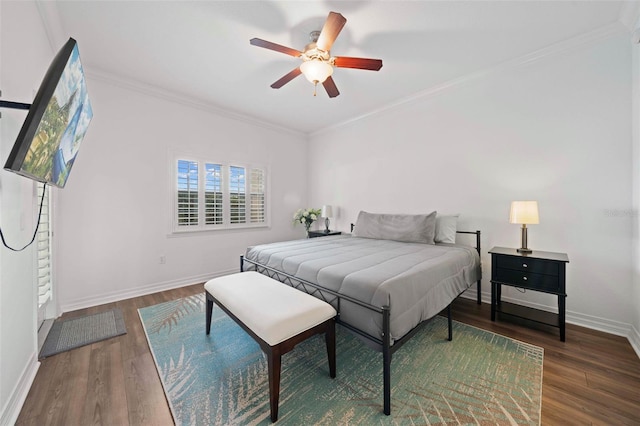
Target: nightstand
(314, 234)
(537, 271)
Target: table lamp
(525, 213)
(327, 212)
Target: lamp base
(523, 246)
(326, 225)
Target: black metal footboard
(334, 299)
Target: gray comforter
(416, 280)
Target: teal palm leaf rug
(478, 378)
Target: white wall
(25, 54)
(113, 218)
(556, 130)
(635, 160)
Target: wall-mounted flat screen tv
(56, 123)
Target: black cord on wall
(35, 233)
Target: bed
(385, 279)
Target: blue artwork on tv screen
(50, 138)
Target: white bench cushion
(272, 310)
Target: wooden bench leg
(209, 311)
(330, 338)
(275, 363)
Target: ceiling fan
(317, 65)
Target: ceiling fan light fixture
(316, 71)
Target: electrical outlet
(163, 260)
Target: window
(216, 195)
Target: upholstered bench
(277, 316)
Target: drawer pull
(524, 278)
(524, 265)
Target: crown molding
(587, 39)
(629, 14)
(167, 95)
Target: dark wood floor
(592, 378)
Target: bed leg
(386, 358)
(480, 253)
(450, 323)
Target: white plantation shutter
(187, 193)
(237, 195)
(257, 196)
(44, 248)
(212, 196)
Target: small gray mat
(75, 332)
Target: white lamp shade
(525, 212)
(316, 71)
(327, 211)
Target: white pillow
(410, 228)
(446, 227)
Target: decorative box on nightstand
(538, 271)
(314, 234)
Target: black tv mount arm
(14, 105)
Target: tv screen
(56, 123)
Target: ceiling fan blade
(359, 63)
(287, 78)
(273, 46)
(330, 87)
(332, 27)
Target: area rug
(478, 378)
(66, 334)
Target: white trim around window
(211, 195)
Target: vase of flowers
(306, 217)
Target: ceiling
(199, 51)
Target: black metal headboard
(477, 233)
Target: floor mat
(72, 333)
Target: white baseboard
(18, 395)
(116, 296)
(472, 293)
(600, 324)
(634, 339)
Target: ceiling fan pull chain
(315, 84)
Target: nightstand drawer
(528, 265)
(527, 279)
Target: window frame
(202, 226)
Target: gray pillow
(410, 228)
(446, 227)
